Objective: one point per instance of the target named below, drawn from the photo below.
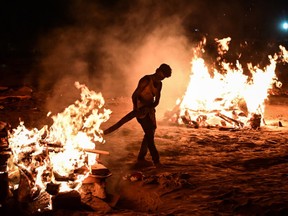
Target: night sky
(35, 34)
(22, 22)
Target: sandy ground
(207, 171)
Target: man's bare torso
(150, 89)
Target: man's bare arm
(158, 95)
(143, 82)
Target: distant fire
(60, 151)
(227, 97)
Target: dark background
(31, 30)
(22, 22)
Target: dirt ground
(206, 171)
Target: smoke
(109, 47)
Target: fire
(228, 93)
(58, 151)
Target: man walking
(145, 98)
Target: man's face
(162, 75)
(166, 75)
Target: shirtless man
(145, 98)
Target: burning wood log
(255, 121)
(53, 146)
(71, 177)
(81, 170)
(25, 173)
(67, 200)
(100, 171)
(201, 120)
(52, 188)
(95, 151)
(27, 190)
(188, 121)
(230, 120)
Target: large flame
(59, 150)
(228, 92)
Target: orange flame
(232, 93)
(75, 129)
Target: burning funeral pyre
(57, 159)
(226, 98)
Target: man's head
(165, 69)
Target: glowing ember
(56, 152)
(228, 94)
(223, 45)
